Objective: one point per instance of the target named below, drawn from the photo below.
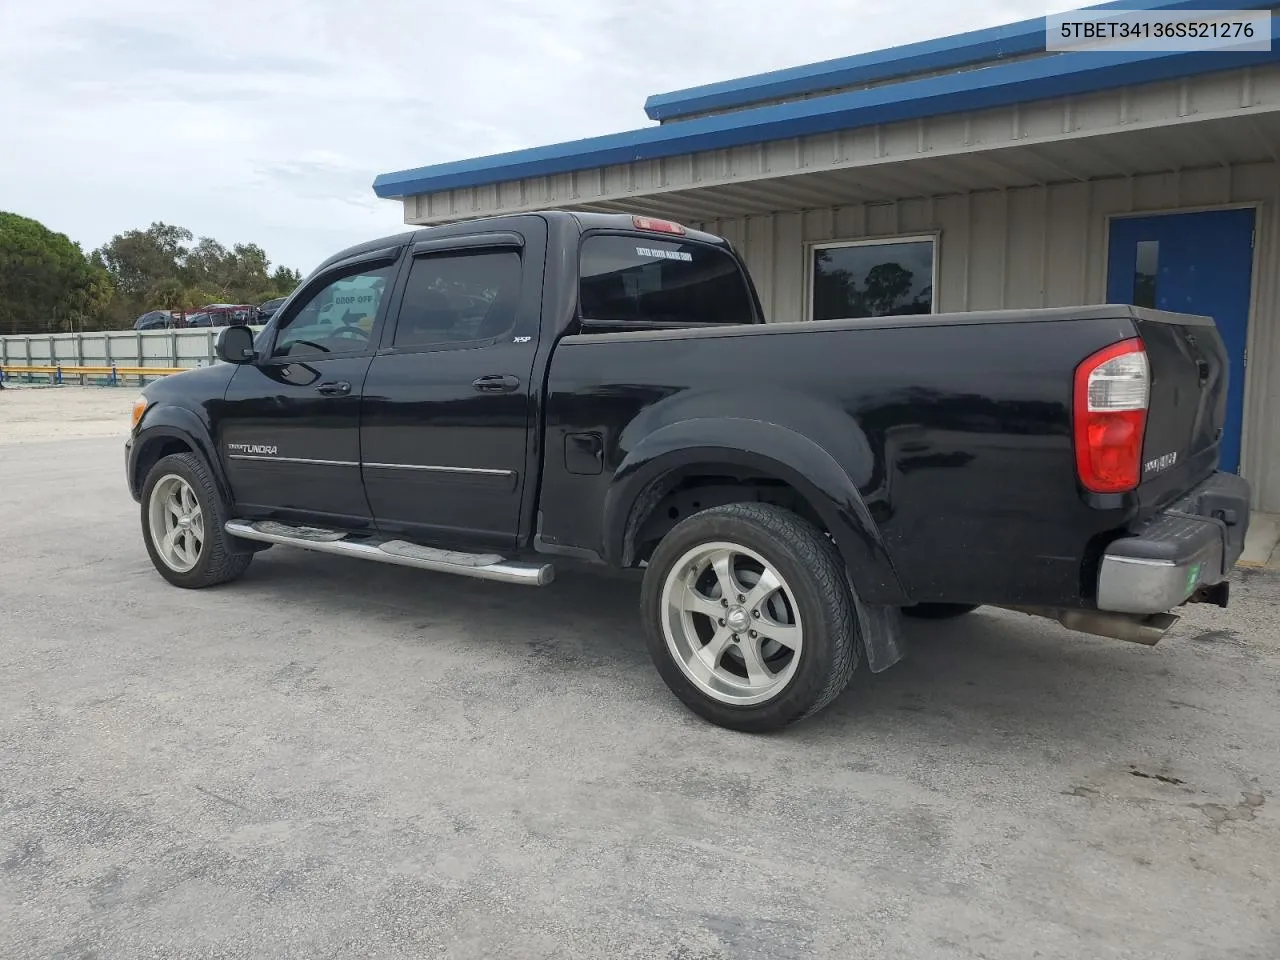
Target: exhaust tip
(1147, 629)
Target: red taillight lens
(657, 226)
(1112, 390)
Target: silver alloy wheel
(177, 523)
(731, 623)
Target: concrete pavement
(337, 759)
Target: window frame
(588, 325)
(812, 247)
(496, 242)
(301, 298)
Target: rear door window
(460, 297)
(646, 280)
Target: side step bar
(488, 566)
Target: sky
(266, 121)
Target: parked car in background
(227, 314)
(210, 315)
(154, 320)
(267, 310)
(223, 315)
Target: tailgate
(1188, 403)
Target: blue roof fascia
(1042, 78)
(946, 53)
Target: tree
(139, 259)
(205, 264)
(93, 300)
(886, 285)
(284, 281)
(168, 294)
(238, 275)
(835, 292)
(47, 284)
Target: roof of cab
(585, 221)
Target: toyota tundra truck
(502, 397)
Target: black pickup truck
(493, 397)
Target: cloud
(174, 51)
(267, 121)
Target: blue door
(1192, 263)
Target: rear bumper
(1193, 543)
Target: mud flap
(880, 632)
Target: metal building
(1002, 176)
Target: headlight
(139, 408)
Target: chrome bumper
(1193, 543)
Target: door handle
(496, 384)
(334, 388)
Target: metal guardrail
(108, 354)
(58, 373)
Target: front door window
(338, 318)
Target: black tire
(218, 561)
(939, 611)
(815, 576)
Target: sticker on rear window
(664, 254)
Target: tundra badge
(257, 448)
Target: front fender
(773, 449)
(164, 422)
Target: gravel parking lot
(338, 759)
(53, 413)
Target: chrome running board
(483, 566)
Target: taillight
(657, 226)
(1111, 394)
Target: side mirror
(234, 345)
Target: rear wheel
(182, 524)
(748, 617)
(939, 611)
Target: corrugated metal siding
(1043, 246)
(1198, 122)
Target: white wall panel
(125, 348)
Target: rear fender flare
(769, 448)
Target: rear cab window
(642, 281)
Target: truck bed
(956, 430)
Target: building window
(1146, 270)
(878, 278)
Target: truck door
(289, 428)
(448, 400)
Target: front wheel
(182, 524)
(748, 617)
